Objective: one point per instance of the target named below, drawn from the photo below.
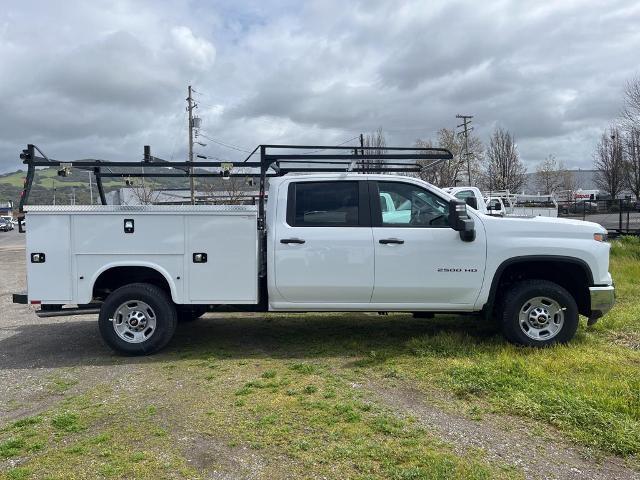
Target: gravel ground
(504, 439)
(35, 353)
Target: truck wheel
(538, 313)
(137, 319)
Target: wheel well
(575, 277)
(117, 277)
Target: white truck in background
(325, 242)
(505, 203)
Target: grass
(287, 396)
(88, 436)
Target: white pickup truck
(327, 243)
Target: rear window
(326, 204)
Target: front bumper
(602, 300)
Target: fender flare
(533, 258)
(137, 263)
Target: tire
(189, 313)
(137, 319)
(538, 313)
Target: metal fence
(619, 217)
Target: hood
(544, 226)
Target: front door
(419, 260)
(324, 246)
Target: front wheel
(137, 319)
(538, 313)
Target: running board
(67, 312)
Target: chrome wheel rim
(541, 318)
(134, 321)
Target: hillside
(47, 179)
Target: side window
(325, 204)
(464, 194)
(412, 206)
(494, 205)
(469, 198)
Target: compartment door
(230, 272)
(50, 281)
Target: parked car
(5, 225)
(583, 207)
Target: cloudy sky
(101, 79)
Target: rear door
(324, 247)
(419, 259)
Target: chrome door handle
(387, 241)
(292, 240)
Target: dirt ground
(45, 361)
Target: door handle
(387, 241)
(292, 240)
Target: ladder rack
(274, 160)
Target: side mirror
(472, 202)
(460, 221)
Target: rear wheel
(137, 319)
(538, 313)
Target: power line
(338, 145)
(176, 135)
(228, 145)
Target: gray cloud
(101, 79)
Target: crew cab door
(323, 245)
(419, 260)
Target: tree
(450, 172)
(378, 141)
(144, 193)
(504, 169)
(227, 191)
(550, 175)
(609, 163)
(631, 108)
(632, 160)
(569, 183)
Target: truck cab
(331, 246)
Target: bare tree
(631, 108)
(570, 183)
(378, 141)
(550, 175)
(609, 163)
(632, 160)
(144, 193)
(504, 170)
(228, 191)
(450, 172)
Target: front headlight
(600, 237)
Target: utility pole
(53, 187)
(190, 110)
(365, 163)
(466, 119)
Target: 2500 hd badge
(458, 270)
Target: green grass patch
(306, 413)
(91, 436)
